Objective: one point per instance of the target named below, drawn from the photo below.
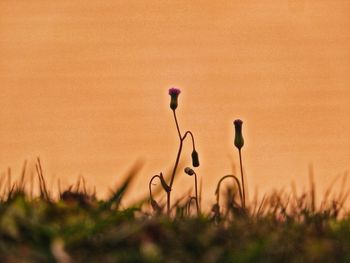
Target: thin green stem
(242, 177)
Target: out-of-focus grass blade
(117, 195)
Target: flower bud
(239, 141)
(195, 159)
(164, 184)
(174, 93)
(189, 171)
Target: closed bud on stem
(165, 186)
(189, 171)
(239, 141)
(174, 94)
(195, 159)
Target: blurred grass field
(77, 227)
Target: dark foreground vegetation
(75, 227)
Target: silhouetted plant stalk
(236, 181)
(239, 142)
(191, 172)
(216, 207)
(174, 94)
(166, 188)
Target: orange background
(84, 86)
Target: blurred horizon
(84, 85)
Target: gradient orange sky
(84, 86)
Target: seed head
(189, 171)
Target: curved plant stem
(217, 192)
(150, 184)
(190, 133)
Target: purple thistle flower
(174, 93)
(238, 122)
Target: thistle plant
(239, 142)
(174, 94)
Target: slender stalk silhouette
(191, 172)
(174, 94)
(239, 142)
